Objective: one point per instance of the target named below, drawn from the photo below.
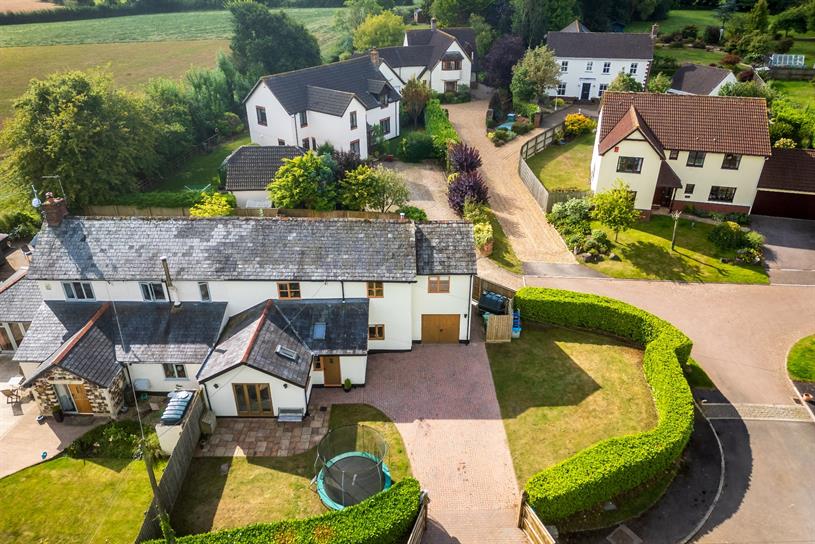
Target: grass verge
(801, 360)
(564, 167)
(202, 169)
(645, 253)
(502, 253)
(802, 92)
(561, 390)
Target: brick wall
(103, 401)
(710, 207)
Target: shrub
(727, 235)
(712, 35)
(526, 109)
(577, 124)
(439, 127)
(571, 216)
(745, 75)
(116, 440)
(463, 158)
(731, 60)
(416, 147)
(345, 161)
(469, 187)
(616, 465)
(690, 31)
(20, 225)
(522, 126)
(413, 213)
(753, 240)
(476, 212)
(784, 45)
(785, 143)
(384, 518)
(163, 199)
(212, 205)
(482, 232)
(500, 137)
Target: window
(561, 89)
(731, 161)
(313, 143)
(376, 332)
(674, 154)
(451, 65)
(589, 65)
(281, 142)
(303, 118)
(318, 332)
(438, 284)
(385, 125)
(203, 288)
(689, 188)
(722, 194)
(78, 290)
(632, 165)
(305, 144)
(633, 69)
(355, 147)
(354, 120)
(288, 289)
(174, 372)
(450, 86)
(564, 66)
(376, 289)
(606, 67)
(317, 364)
(152, 291)
(603, 87)
(696, 159)
(261, 113)
(383, 99)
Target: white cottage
(700, 79)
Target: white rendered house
(254, 312)
(700, 79)
(679, 150)
(338, 103)
(590, 61)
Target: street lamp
(676, 215)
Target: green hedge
(439, 127)
(383, 519)
(619, 464)
(162, 199)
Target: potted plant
(346, 385)
(56, 411)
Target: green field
(802, 92)
(564, 167)
(677, 19)
(689, 54)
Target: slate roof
(789, 170)
(715, 124)
(601, 45)
(253, 336)
(19, 298)
(252, 167)
(401, 56)
(698, 79)
(54, 323)
(328, 88)
(436, 42)
(445, 248)
(575, 26)
(235, 248)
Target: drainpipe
(469, 308)
(172, 293)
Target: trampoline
(350, 466)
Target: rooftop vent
(287, 353)
(319, 331)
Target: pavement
(428, 188)
(789, 248)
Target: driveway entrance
(790, 248)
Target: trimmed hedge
(383, 519)
(162, 199)
(619, 464)
(439, 127)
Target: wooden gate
(420, 525)
(532, 526)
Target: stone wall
(103, 401)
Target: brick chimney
(375, 56)
(654, 31)
(433, 22)
(55, 209)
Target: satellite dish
(36, 202)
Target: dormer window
(383, 99)
(448, 65)
(78, 290)
(152, 291)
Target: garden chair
(12, 395)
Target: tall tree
(347, 20)
(381, 30)
(484, 34)
(415, 95)
(534, 18)
(615, 209)
(498, 63)
(625, 83)
(660, 83)
(259, 38)
(760, 16)
(306, 181)
(456, 12)
(535, 74)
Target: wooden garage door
(796, 205)
(440, 328)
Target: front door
(663, 197)
(253, 399)
(80, 397)
(585, 91)
(332, 377)
(66, 402)
(440, 328)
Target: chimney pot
(55, 210)
(375, 56)
(433, 22)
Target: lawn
(801, 360)
(502, 253)
(802, 92)
(562, 390)
(564, 167)
(267, 489)
(202, 169)
(69, 500)
(677, 20)
(645, 253)
(689, 54)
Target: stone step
(474, 527)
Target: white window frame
(602, 89)
(150, 294)
(564, 66)
(71, 288)
(606, 67)
(632, 70)
(173, 367)
(382, 123)
(561, 89)
(303, 115)
(203, 290)
(353, 120)
(262, 119)
(589, 65)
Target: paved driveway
(428, 188)
(741, 335)
(790, 248)
(443, 402)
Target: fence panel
(536, 188)
(132, 211)
(791, 74)
(532, 526)
(480, 285)
(176, 470)
(420, 525)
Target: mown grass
(802, 92)
(801, 360)
(502, 253)
(677, 20)
(202, 169)
(689, 54)
(562, 390)
(645, 253)
(564, 167)
(267, 489)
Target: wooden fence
(791, 74)
(420, 525)
(481, 285)
(499, 327)
(175, 472)
(541, 141)
(532, 526)
(132, 211)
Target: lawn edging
(618, 464)
(385, 518)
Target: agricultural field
(26, 5)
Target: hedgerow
(615, 465)
(439, 127)
(163, 199)
(385, 518)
